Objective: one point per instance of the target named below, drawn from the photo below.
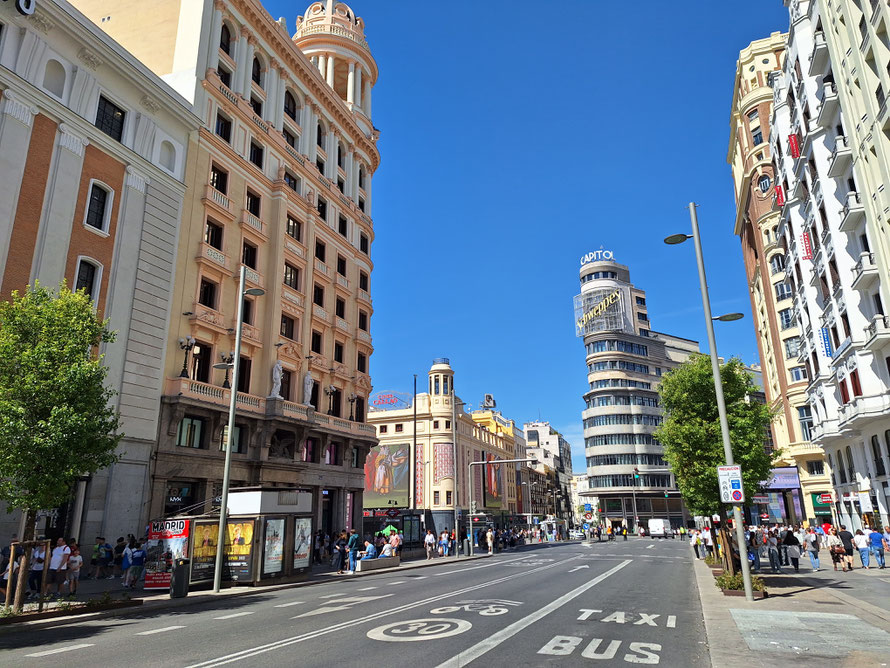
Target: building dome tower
(441, 386)
(333, 38)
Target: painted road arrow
(578, 568)
(342, 604)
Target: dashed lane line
(287, 605)
(236, 614)
(58, 650)
(366, 588)
(163, 630)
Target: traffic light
(472, 507)
(636, 472)
(665, 495)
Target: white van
(660, 529)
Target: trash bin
(466, 547)
(179, 579)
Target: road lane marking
(236, 614)
(650, 546)
(163, 630)
(578, 568)
(343, 604)
(366, 588)
(287, 605)
(311, 635)
(471, 654)
(60, 649)
(473, 568)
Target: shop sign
(865, 503)
(824, 499)
(25, 7)
(760, 498)
(596, 256)
(784, 477)
(598, 309)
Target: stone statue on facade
(277, 372)
(308, 384)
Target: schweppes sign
(25, 7)
(599, 309)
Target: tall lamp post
(718, 384)
(470, 485)
(230, 435)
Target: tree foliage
(56, 421)
(693, 445)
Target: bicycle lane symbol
(419, 629)
(485, 607)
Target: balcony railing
(829, 105)
(852, 213)
(865, 273)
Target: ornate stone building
(280, 183)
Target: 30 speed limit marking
(419, 629)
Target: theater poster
(302, 541)
(167, 541)
(273, 547)
(387, 476)
(494, 483)
(237, 551)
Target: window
(845, 394)
(190, 432)
(339, 156)
(400, 427)
(225, 76)
(805, 418)
(641, 301)
(642, 317)
(54, 78)
(363, 281)
(318, 295)
(854, 383)
(289, 138)
(319, 136)
(340, 307)
(752, 116)
(110, 118)
(224, 127)
(361, 363)
(361, 204)
(436, 501)
(219, 179)
(292, 181)
(167, 156)
(384, 428)
(361, 177)
(253, 203)
(341, 265)
(225, 39)
(792, 347)
(287, 327)
(86, 278)
(238, 442)
(783, 291)
(97, 208)
(777, 264)
(786, 318)
(247, 311)
(294, 228)
(757, 136)
(815, 467)
(798, 373)
(290, 106)
(316, 342)
(256, 72)
(610, 345)
(363, 243)
(343, 226)
(256, 154)
(876, 453)
(244, 365)
(207, 293)
(338, 352)
(256, 105)
(291, 276)
(363, 321)
(447, 498)
(435, 424)
(248, 255)
(322, 208)
(319, 164)
(341, 185)
(644, 332)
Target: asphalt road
(571, 604)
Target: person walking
(340, 557)
(58, 564)
(75, 562)
(429, 542)
(792, 549)
(118, 560)
(35, 576)
(354, 545)
(489, 539)
(847, 540)
(835, 547)
(812, 544)
(708, 540)
(693, 540)
(772, 546)
(877, 544)
(137, 561)
(863, 546)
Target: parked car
(660, 529)
(576, 533)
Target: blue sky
(515, 137)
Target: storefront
(822, 508)
(783, 498)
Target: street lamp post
(186, 346)
(470, 466)
(230, 435)
(718, 384)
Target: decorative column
(275, 94)
(358, 86)
(350, 175)
(330, 77)
(216, 29)
(238, 74)
(331, 149)
(367, 99)
(248, 67)
(322, 64)
(350, 84)
(307, 138)
(16, 121)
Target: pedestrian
(862, 545)
(5, 581)
(137, 561)
(75, 561)
(35, 576)
(6, 554)
(318, 545)
(353, 546)
(118, 559)
(693, 540)
(836, 547)
(847, 540)
(792, 549)
(772, 546)
(624, 532)
(429, 543)
(58, 564)
(489, 539)
(812, 543)
(754, 550)
(340, 556)
(877, 545)
(708, 540)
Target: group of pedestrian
(702, 542)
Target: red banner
(806, 247)
(794, 143)
(780, 195)
(167, 540)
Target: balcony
(828, 107)
(841, 157)
(826, 429)
(322, 268)
(216, 256)
(865, 273)
(819, 55)
(853, 212)
(251, 222)
(862, 411)
(217, 200)
(253, 277)
(877, 334)
(364, 296)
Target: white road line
(287, 605)
(366, 588)
(60, 649)
(310, 635)
(235, 614)
(163, 630)
(477, 650)
(473, 568)
(649, 547)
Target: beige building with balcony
(280, 183)
(772, 299)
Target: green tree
(56, 421)
(693, 445)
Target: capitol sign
(596, 256)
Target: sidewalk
(825, 618)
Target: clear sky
(515, 137)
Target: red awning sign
(392, 512)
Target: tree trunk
(24, 568)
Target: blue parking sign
(586, 526)
(588, 507)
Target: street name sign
(730, 479)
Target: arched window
(319, 135)
(98, 209)
(225, 39)
(841, 469)
(256, 72)
(290, 106)
(167, 157)
(54, 78)
(87, 278)
(850, 471)
(361, 177)
(876, 452)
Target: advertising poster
(302, 541)
(167, 540)
(237, 551)
(273, 547)
(387, 476)
(494, 490)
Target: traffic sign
(826, 498)
(586, 526)
(588, 507)
(393, 512)
(588, 516)
(730, 479)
